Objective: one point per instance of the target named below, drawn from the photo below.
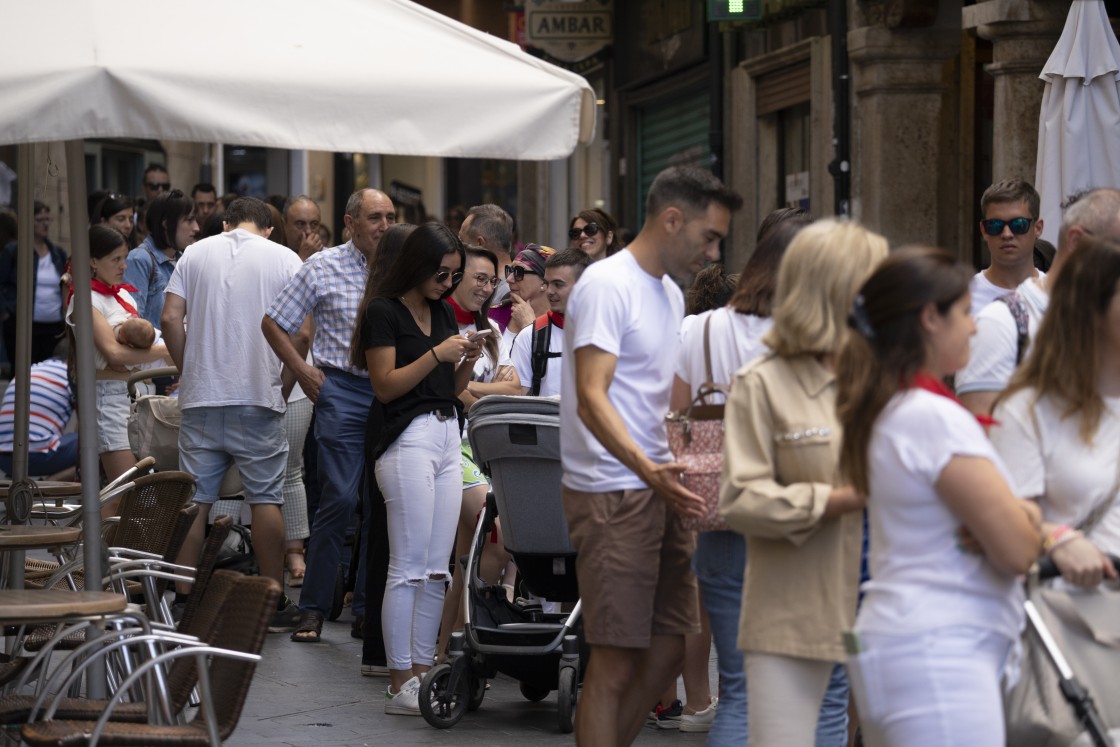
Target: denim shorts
(213, 438)
(112, 416)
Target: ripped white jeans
(421, 478)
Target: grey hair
(492, 223)
(1097, 211)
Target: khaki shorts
(634, 567)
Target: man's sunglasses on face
(158, 186)
(1018, 226)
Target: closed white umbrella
(1079, 124)
(374, 76)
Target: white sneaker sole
(401, 710)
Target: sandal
(295, 578)
(310, 628)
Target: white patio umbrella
(1079, 124)
(375, 76)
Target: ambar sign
(569, 31)
(571, 26)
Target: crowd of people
(876, 526)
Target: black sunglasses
(518, 272)
(590, 229)
(161, 186)
(994, 226)
(443, 275)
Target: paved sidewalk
(313, 694)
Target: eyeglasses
(491, 280)
(158, 186)
(994, 226)
(518, 272)
(590, 229)
(443, 275)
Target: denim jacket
(150, 283)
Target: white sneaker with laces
(701, 721)
(406, 702)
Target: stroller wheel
(534, 694)
(567, 699)
(438, 705)
(478, 692)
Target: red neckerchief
(923, 380)
(462, 316)
(556, 318)
(109, 290)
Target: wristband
(433, 352)
(1063, 534)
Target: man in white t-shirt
(561, 271)
(995, 348)
(1009, 228)
(622, 495)
(230, 390)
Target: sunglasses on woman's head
(443, 275)
(590, 229)
(994, 226)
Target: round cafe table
(22, 537)
(48, 488)
(34, 606)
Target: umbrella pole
(87, 398)
(21, 356)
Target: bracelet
(433, 352)
(1060, 536)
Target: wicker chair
(241, 630)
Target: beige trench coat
(781, 451)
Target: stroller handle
(1048, 569)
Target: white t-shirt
(621, 309)
(1050, 461)
(984, 291)
(521, 358)
(734, 340)
(48, 292)
(920, 578)
(113, 313)
(228, 282)
(993, 348)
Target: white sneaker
(406, 702)
(701, 721)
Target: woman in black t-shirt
(418, 363)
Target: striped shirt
(329, 286)
(50, 407)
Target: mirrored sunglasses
(994, 226)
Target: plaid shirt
(330, 286)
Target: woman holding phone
(418, 363)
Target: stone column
(1023, 34)
(902, 117)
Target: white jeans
(935, 688)
(421, 478)
(784, 695)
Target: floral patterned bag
(696, 440)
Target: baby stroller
(516, 440)
(1096, 732)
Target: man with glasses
(329, 288)
(1010, 227)
(156, 182)
(1004, 329)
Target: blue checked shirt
(330, 286)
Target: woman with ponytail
(948, 538)
(113, 304)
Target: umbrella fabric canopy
(373, 76)
(1079, 125)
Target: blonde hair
(825, 265)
